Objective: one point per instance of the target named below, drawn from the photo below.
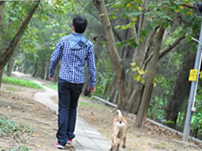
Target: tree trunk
(10, 66)
(9, 51)
(43, 69)
(181, 91)
(113, 91)
(47, 69)
(35, 73)
(1, 75)
(152, 70)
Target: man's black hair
(80, 23)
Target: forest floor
(40, 124)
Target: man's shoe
(59, 146)
(69, 141)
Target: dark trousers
(67, 109)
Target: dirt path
(45, 97)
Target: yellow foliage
(141, 72)
(128, 5)
(138, 78)
(189, 13)
(181, 7)
(133, 64)
(177, 10)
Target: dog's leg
(112, 145)
(124, 142)
(117, 145)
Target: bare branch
(170, 47)
(142, 20)
(167, 49)
(150, 37)
(134, 32)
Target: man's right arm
(55, 57)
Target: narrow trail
(45, 97)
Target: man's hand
(92, 89)
(51, 78)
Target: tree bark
(142, 110)
(1, 75)
(9, 51)
(10, 66)
(35, 73)
(113, 91)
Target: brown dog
(119, 128)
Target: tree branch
(134, 32)
(170, 47)
(142, 19)
(2, 3)
(167, 49)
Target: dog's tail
(120, 116)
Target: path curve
(45, 97)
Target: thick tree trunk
(10, 66)
(110, 41)
(152, 70)
(35, 73)
(9, 51)
(43, 69)
(113, 91)
(181, 91)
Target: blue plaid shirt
(74, 51)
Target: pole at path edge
(193, 89)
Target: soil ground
(18, 105)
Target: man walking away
(74, 51)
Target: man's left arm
(91, 69)
(55, 57)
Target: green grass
(93, 104)
(21, 82)
(8, 127)
(11, 88)
(54, 86)
(19, 148)
(14, 129)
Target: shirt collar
(77, 34)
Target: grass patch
(21, 82)
(54, 86)
(12, 88)
(19, 148)
(93, 104)
(14, 129)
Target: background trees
(130, 73)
